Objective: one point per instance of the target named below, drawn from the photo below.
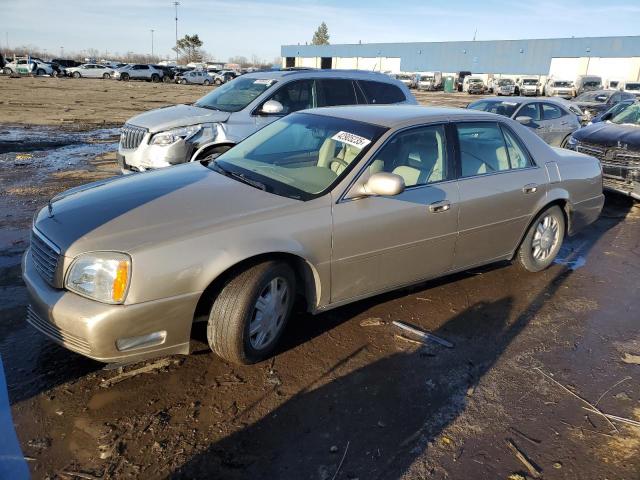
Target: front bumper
(149, 157)
(92, 329)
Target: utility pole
(175, 4)
(61, 52)
(152, 30)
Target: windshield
(475, 80)
(501, 108)
(529, 82)
(599, 97)
(562, 84)
(629, 116)
(632, 86)
(235, 95)
(505, 82)
(299, 156)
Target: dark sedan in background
(598, 101)
(616, 143)
(553, 120)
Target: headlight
(572, 142)
(102, 276)
(172, 136)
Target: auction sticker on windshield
(262, 82)
(351, 139)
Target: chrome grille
(131, 136)
(626, 158)
(594, 150)
(53, 331)
(45, 257)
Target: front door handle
(441, 206)
(530, 188)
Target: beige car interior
(483, 150)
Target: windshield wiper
(209, 107)
(239, 176)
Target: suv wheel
(7, 71)
(124, 77)
(207, 83)
(543, 240)
(155, 78)
(183, 81)
(215, 153)
(40, 72)
(76, 75)
(249, 314)
(106, 76)
(217, 81)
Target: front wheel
(542, 241)
(249, 314)
(124, 77)
(7, 71)
(40, 72)
(106, 76)
(183, 81)
(218, 81)
(206, 83)
(76, 75)
(155, 78)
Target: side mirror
(524, 120)
(272, 107)
(385, 184)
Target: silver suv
(138, 72)
(182, 133)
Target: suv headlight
(172, 136)
(572, 142)
(102, 276)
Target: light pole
(152, 30)
(175, 4)
(61, 52)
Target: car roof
(397, 115)
(315, 73)
(514, 99)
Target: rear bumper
(93, 329)
(585, 213)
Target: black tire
(183, 81)
(155, 78)
(527, 258)
(563, 144)
(106, 76)
(124, 77)
(214, 153)
(234, 310)
(206, 83)
(7, 71)
(76, 75)
(218, 82)
(40, 72)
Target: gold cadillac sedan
(330, 205)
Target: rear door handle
(530, 188)
(441, 206)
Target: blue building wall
(495, 56)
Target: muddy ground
(345, 397)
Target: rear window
(337, 92)
(501, 108)
(381, 93)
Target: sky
(229, 28)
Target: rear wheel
(249, 314)
(76, 75)
(40, 72)
(155, 78)
(542, 241)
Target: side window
(530, 110)
(482, 149)
(418, 155)
(144, 67)
(295, 96)
(381, 93)
(518, 156)
(336, 92)
(550, 112)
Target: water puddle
(570, 256)
(51, 149)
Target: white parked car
(504, 86)
(560, 88)
(194, 77)
(630, 87)
(528, 86)
(28, 66)
(138, 71)
(90, 70)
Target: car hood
(591, 105)
(610, 135)
(162, 119)
(128, 213)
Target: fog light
(150, 340)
